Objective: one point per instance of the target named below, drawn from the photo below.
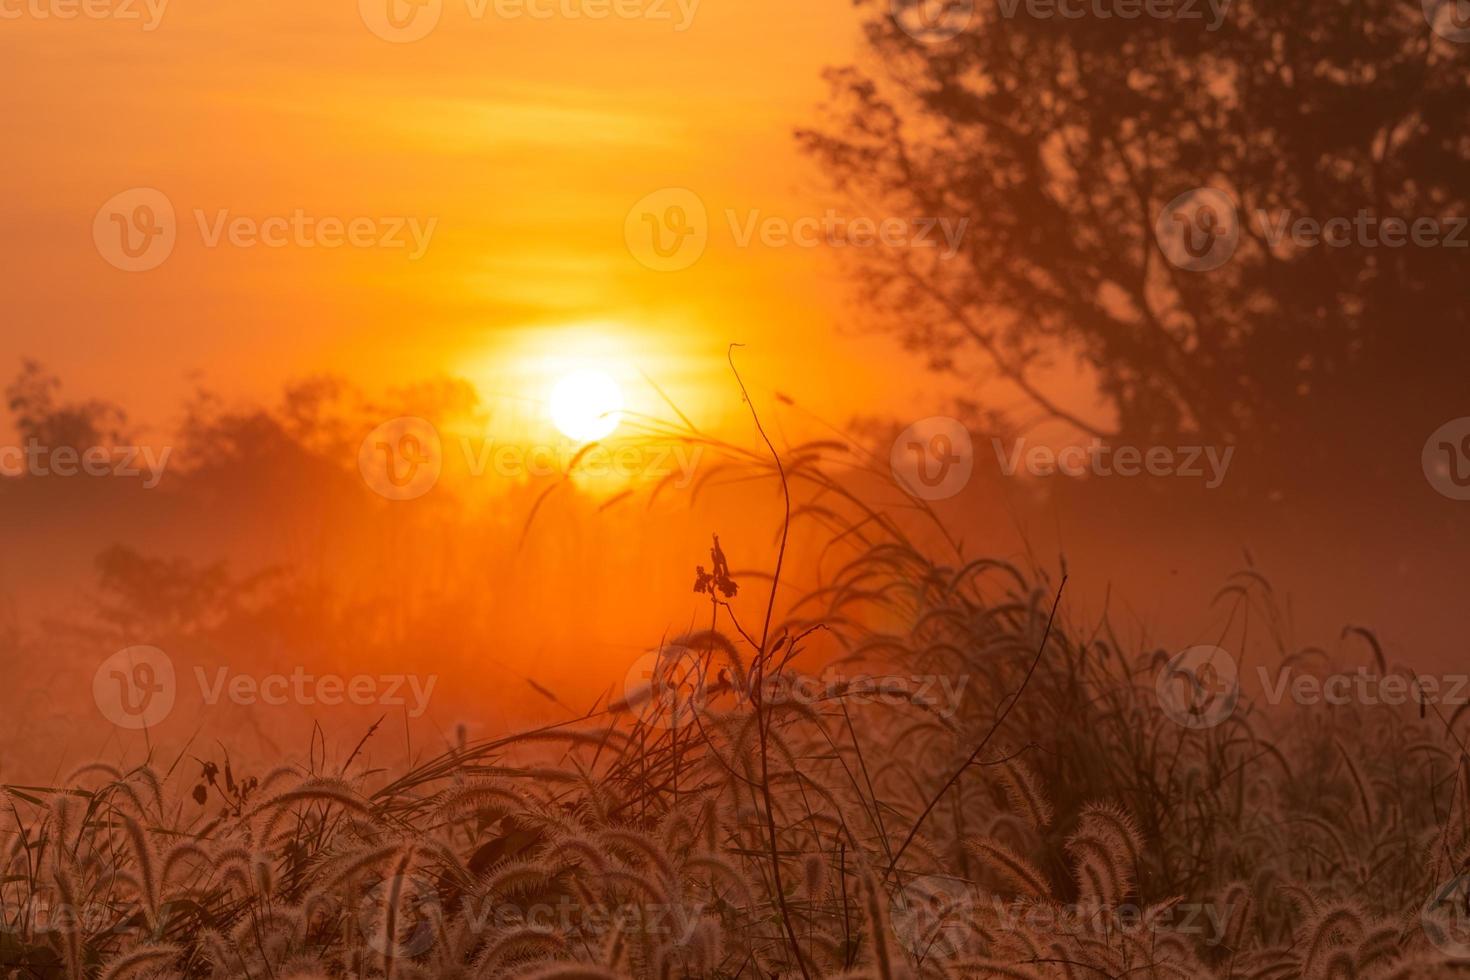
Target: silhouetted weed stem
(758, 675)
(1304, 828)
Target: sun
(586, 405)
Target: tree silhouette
(31, 398)
(1065, 140)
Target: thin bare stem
(758, 678)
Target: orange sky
(527, 139)
(525, 143)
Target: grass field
(975, 785)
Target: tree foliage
(1064, 139)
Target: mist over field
(643, 490)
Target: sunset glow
(586, 405)
(734, 489)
